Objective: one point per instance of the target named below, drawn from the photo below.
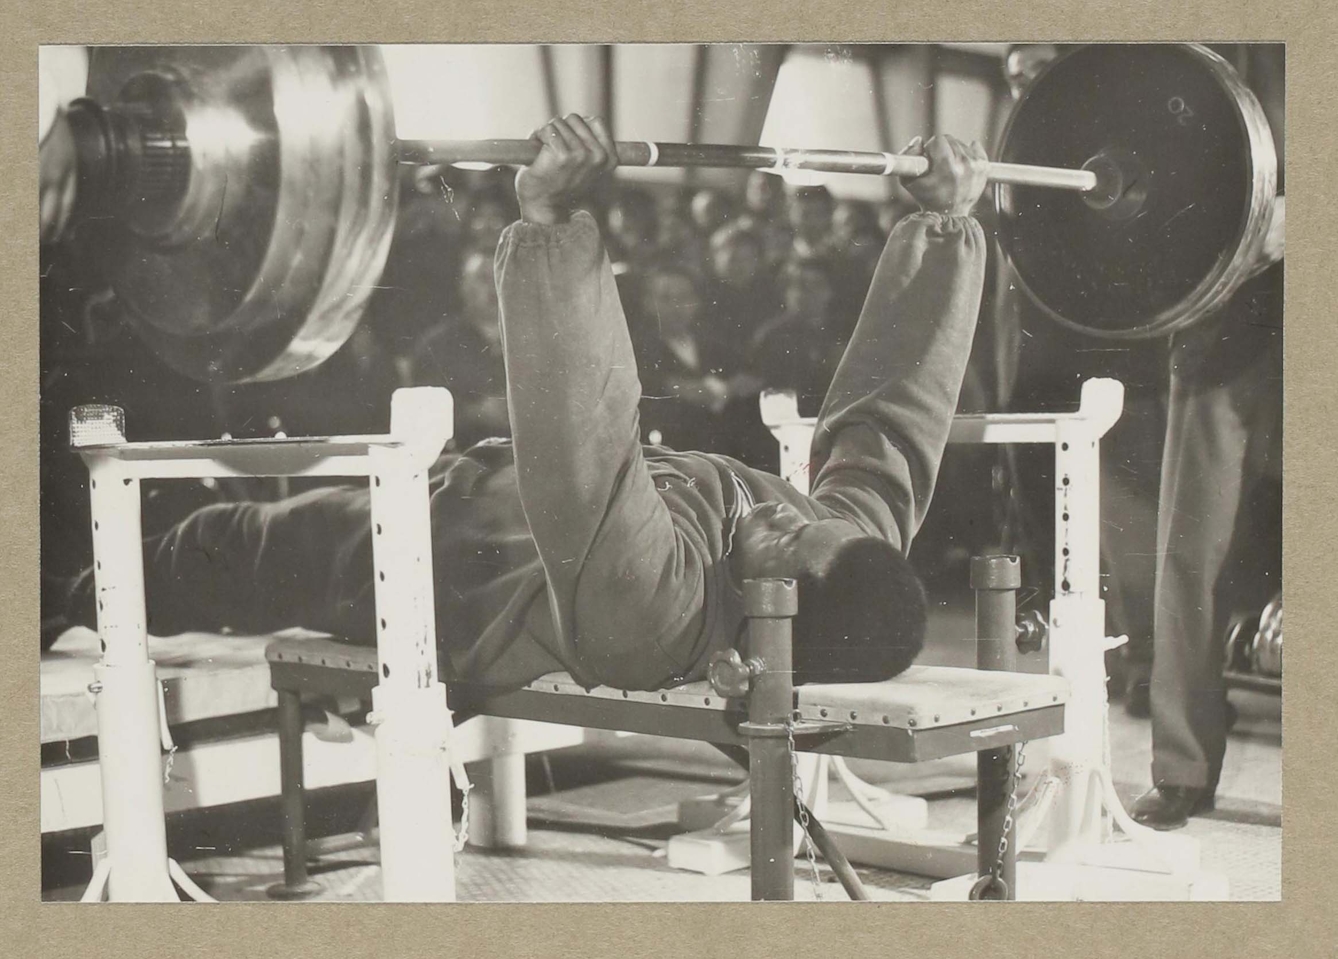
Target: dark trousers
(260, 567)
(1219, 530)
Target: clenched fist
(575, 153)
(956, 177)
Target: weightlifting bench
(927, 713)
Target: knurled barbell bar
(241, 200)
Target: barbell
(242, 199)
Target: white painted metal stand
(1075, 796)
(413, 722)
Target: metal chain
(1020, 759)
(803, 810)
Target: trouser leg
(1219, 439)
(259, 567)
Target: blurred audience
(765, 211)
(725, 294)
(810, 210)
(741, 292)
(796, 350)
(857, 243)
(682, 397)
(711, 209)
(464, 354)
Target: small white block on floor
(709, 852)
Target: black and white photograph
(661, 472)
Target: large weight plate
(1197, 160)
(263, 268)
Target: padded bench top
(923, 697)
(208, 675)
(204, 676)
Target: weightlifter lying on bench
(573, 546)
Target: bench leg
(770, 604)
(995, 580)
(771, 825)
(296, 883)
(996, 784)
(497, 812)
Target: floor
(601, 815)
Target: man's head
(855, 223)
(810, 212)
(710, 209)
(736, 255)
(672, 301)
(490, 211)
(1024, 62)
(862, 610)
(809, 290)
(633, 221)
(764, 194)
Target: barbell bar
(635, 153)
(241, 200)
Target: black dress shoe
(1169, 807)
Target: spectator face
(853, 224)
(632, 226)
(675, 230)
(736, 260)
(673, 303)
(811, 215)
(710, 210)
(763, 194)
(478, 290)
(808, 293)
(487, 220)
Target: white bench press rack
(929, 712)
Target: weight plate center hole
(1122, 182)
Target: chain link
(803, 809)
(1019, 759)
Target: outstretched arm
(884, 424)
(625, 578)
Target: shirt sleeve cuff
(523, 233)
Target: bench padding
(204, 676)
(923, 697)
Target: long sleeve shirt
(631, 541)
(573, 546)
